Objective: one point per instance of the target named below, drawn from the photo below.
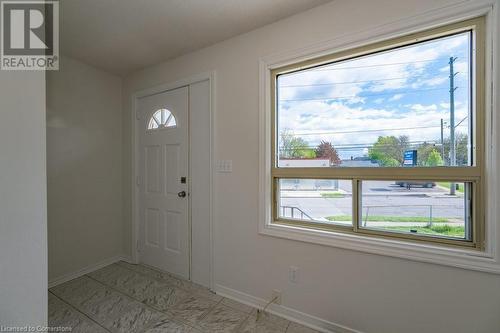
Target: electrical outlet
(293, 274)
(276, 296)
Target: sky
(404, 91)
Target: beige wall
(23, 213)
(84, 173)
(370, 293)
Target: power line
(461, 121)
(334, 83)
(367, 145)
(344, 148)
(369, 66)
(354, 96)
(363, 145)
(368, 130)
(353, 82)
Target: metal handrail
(292, 209)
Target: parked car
(411, 183)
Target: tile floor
(133, 298)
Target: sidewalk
(310, 194)
(317, 194)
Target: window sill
(448, 256)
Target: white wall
(84, 142)
(366, 292)
(23, 214)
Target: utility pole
(442, 139)
(453, 156)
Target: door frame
(210, 76)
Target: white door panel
(163, 161)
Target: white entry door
(162, 182)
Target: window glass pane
(325, 201)
(391, 108)
(417, 207)
(162, 118)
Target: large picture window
(385, 140)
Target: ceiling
(121, 36)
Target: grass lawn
(382, 218)
(332, 194)
(447, 186)
(445, 230)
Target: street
(379, 199)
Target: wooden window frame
(471, 174)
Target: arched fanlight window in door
(162, 118)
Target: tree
(292, 146)
(462, 149)
(327, 150)
(391, 162)
(389, 150)
(434, 159)
(306, 153)
(423, 152)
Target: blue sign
(410, 158)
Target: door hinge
(138, 248)
(137, 115)
(137, 181)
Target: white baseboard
(90, 268)
(282, 311)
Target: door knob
(181, 194)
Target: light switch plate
(224, 166)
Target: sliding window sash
(472, 174)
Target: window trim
(472, 173)
(486, 260)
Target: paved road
(380, 198)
